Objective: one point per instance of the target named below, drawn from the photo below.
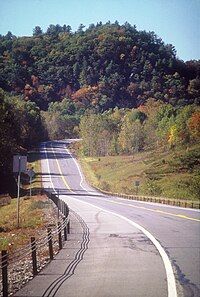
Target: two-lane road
(136, 248)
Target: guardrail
(33, 257)
(162, 200)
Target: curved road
(133, 248)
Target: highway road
(133, 248)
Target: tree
(37, 31)
(80, 29)
(194, 126)
(194, 89)
(67, 28)
(131, 136)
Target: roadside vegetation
(160, 173)
(36, 212)
(34, 216)
(156, 144)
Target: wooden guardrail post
(34, 256)
(62, 204)
(4, 265)
(68, 227)
(59, 236)
(50, 243)
(65, 230)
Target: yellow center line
(158, 211)
(61, 174)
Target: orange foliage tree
(194, 125)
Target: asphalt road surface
(129, 248)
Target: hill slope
(102, 67)
(160, 173)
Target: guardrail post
(65, 230)
(50, 243)
(59, 236)
(4, 265)
(68, 227)
(58, 206)
(62, 207)
(34, 256)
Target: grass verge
(35, 214)
(171, 174)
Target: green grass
(32, 217)
(170, 174)
(33, 212)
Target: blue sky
(175, 21)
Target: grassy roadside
(170, 174)
(33, 217)
(35, 212)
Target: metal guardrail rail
(162, 200)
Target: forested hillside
(102, 67)
(51, 80)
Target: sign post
(31, 174)
(18, 193)
(19, 165)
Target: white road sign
(19, 163)
(30, 173)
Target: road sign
(30, 173)
(137, 183)
(19, 163)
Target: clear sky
(175, 21)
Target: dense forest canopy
(52, 80)
(101, 67)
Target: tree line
(127, 131)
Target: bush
(105, 186)
(152, 188)
(39, 205)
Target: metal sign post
(30, 186)
(31, 174)
(19, 165)
(18, 189)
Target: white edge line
(171, 283)
(142, 202)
